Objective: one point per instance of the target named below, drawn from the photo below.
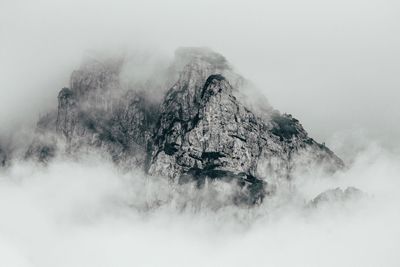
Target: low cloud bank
(87, 213)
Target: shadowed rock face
(67, 112)
(203, 129)
(3, 158)
(97, 112)
(220, 134)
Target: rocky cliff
(204, 127)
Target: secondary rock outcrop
(337, 195)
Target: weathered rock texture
(205, 127)
(97, 112)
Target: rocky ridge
(203, 128)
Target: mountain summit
(206, 126)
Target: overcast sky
(333, 64)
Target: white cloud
(88, 213)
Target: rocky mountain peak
(203, 129)
(200, 56)
(95, 76)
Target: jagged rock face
(204, 131)
(91, 93)
(95, 78)
(67, 113)
(132, 126)
(203, 128)
(95, 112)
(222, 135)
(182, 110)
(41, 150)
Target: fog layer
(87, 213)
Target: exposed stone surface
(43, 148)
(336, 195)
(96, 112)
(204, 130)
(205, 127)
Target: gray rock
(3, 158)
(42, 150)
(97, 113)
(204, 130)
(336, 195)
(207, 126)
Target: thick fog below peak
(87, 212)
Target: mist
(331, 64)
(89, 213)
